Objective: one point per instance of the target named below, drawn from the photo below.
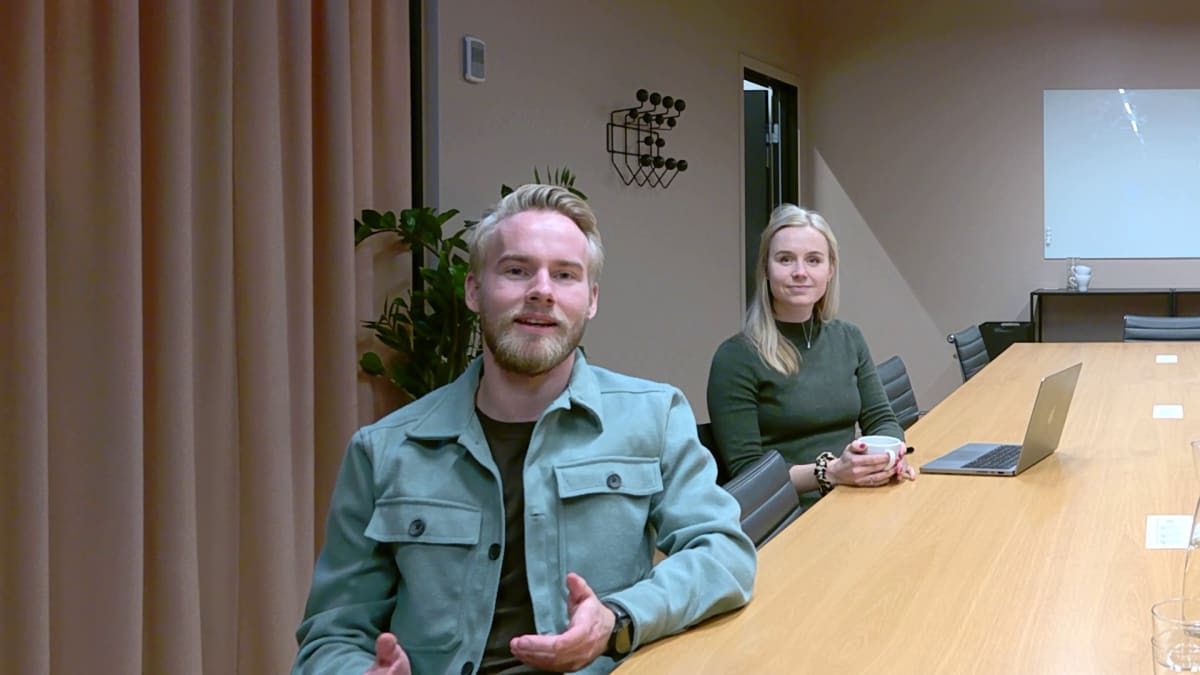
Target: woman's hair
(534, 197)
(759, 328)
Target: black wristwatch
(620, 641)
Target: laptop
(1041, 435)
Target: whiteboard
(1122, 173)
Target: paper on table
(1166, 358)
(1168, 412)
(1168, 531)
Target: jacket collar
(453, 413)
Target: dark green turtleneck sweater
(753, 406)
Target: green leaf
(371, 363)
(361, 232)
(444, 216)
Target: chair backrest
(704, 431)
(899, 390)
(769, 501)
(1173, 328)
(972, 354)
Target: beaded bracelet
(823, 483)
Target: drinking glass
(1175, 641)
(1191, 559)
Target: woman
(796, 379)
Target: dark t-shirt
(508, 442)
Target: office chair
(899, 389)
(1163, 328)
(704, 431)
(971, 352)
(768, 500)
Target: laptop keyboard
(1002, 457)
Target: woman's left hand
(904, 470)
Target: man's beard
(530, 354)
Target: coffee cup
(1082, 280)
(884, 445)
(1080, 277)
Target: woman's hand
(856, 467)
(904, 470)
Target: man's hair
(759, 327)
(534, 197)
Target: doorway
(769, 142)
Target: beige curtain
(178, 302)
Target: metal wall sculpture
(636, 141)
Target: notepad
(1168, 412)
(1167, 531)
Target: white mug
(1082, 281)
(1080, 277)
(884, 445)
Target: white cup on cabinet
(1081, 277)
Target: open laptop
(1041, 435)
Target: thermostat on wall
(473, 59)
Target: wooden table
(1046, 572)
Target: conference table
(1045, 572)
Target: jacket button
(467, 668)
(494, 551)
(416, 528)
(614, 481)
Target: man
(507, 521)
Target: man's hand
(585, 638)
(390, 659)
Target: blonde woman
(796, 378)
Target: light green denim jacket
(614, 470)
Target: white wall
(925, 121)
(875, 295)
(670, 291)
(928, 115)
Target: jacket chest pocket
(433, 543)
(604, 529)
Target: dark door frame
(789, 113)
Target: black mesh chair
(704, 431)
(1161, 328)
(899, 390)
(768, 500)
(972, 354)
